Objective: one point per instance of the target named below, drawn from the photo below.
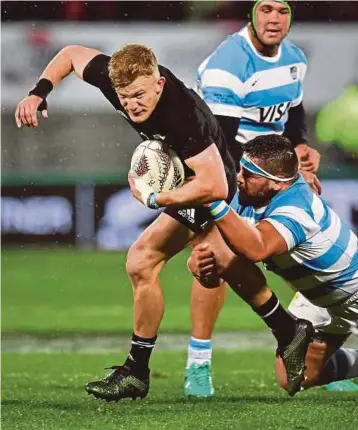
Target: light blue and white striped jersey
(237, 81)
(322, 257)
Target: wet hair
(275, 153)
(130, 62)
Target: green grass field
(66, 291)
(45, 391)
(57, 293)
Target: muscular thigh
(165, 237)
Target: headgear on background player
(252, 15)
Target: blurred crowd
(316, 11)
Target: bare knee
(142, 265)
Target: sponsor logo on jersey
(275, 112)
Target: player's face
(140, 98)
(272, 22)
(254, 189)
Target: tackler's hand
(202, 264)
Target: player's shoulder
(182, 102)
(96, 70)
(232, 55)
(298, 197)
(293, 51)
(174, 87)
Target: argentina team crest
(294, 72)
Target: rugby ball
(159, 166)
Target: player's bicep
(209, 171)
(81, 57)
(207, 162)
(274, 242)
(290, 228)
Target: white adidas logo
(188, 214)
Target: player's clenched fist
(26, 111)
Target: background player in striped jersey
(253, 83)
(281, 222)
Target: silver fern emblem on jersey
(123, 114)
(159, 137)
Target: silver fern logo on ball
(158, 165)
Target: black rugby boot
(119, 384)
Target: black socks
(278, 320)
(138, 358)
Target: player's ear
(161, 82)
(276, 185)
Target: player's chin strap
(252, 167)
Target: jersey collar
(245, 34)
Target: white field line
(165, 342)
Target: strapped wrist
(218, 209)
(151, 201)
(42, 88)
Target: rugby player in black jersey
(158, 105)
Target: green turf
(45, 391)
(63, 291)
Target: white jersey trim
(317, 209)
(243, 136)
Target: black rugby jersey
(181, 117)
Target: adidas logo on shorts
(188, 214)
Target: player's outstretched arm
(71, 58)
(256, 242)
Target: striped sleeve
(302, 70)
(294, 224)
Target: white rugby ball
(159, 166)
